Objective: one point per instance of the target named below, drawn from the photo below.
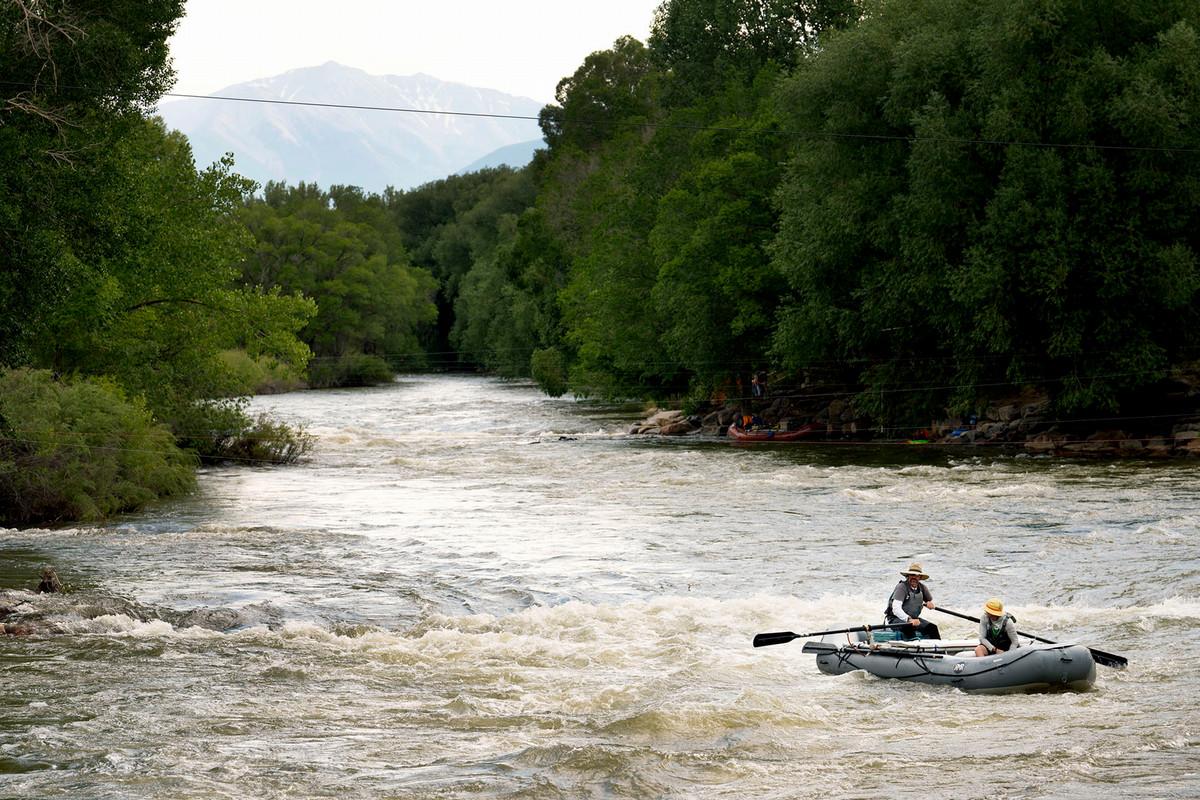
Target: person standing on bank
(908, 599)
(997, 630)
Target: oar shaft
(976, 619)
(856, 630)
(782, 637)
(1101, 657)
(956, 614)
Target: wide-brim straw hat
(914, 571)
(994, 606)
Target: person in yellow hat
(907, 601)
(997, 630)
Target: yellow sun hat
(914, 571)
(994, 606)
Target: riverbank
(1163, 426)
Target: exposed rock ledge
(1021, 422)
(668, 423)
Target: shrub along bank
(81, 450)
(119, 273)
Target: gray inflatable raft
(1034, 667)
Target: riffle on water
(472, 590)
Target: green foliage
(80, 450)
(261, 375)
(454, 224)
(349, 257)
(117, 258)
(348, 369)
(1034, 229)
(665, 230)
(508, 303)
(222, 430)
(549, 369)
(56, 131)
(494, 321)
(716, 289)
(152, 300)
(705, 43)
(604, 308)
(612, 91)
(448, 224)
(265, 441)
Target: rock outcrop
(1024, 421)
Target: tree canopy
(994, 193)
(929, 201)
(118, 261)
(926, 202)
(341, 248)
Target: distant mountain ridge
(368, 148)
(511, 155)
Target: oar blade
(1099, 656)
(780, 637)
(822, 648)
(1109, 659)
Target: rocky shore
(1022, 422)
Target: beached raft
(763, 434)
(1034, 667)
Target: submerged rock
(50, 584)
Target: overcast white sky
(522, 47)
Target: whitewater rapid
(472, 590)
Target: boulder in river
(50, 584)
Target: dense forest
(917, 206)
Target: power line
(882, 137)
(349, 106)
(714, 128)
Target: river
(473, 590)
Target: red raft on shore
(757, 434)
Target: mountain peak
(402, 148)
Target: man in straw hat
(906, 602)
(997, 630)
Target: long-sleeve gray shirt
(1004, 624)
(906, 603)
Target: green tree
(454, 224)
(370, 300)
(508, 306)
(611, 90)
(716, 289)
(153, 300)
(706, 43)
(609, 322)
(80, 450)
(980, 195)
(77, 76)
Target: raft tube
(1034, 667)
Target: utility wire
(348, 106)
(73, 439)
(896, 434)
(883, 137)
(713, 128)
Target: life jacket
(1000, 638)
(909, 594)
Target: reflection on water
(474, 590)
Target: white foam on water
(1171, 608)
(372, 674)
(122, 625)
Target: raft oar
(1099, 656)
(783, 637)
